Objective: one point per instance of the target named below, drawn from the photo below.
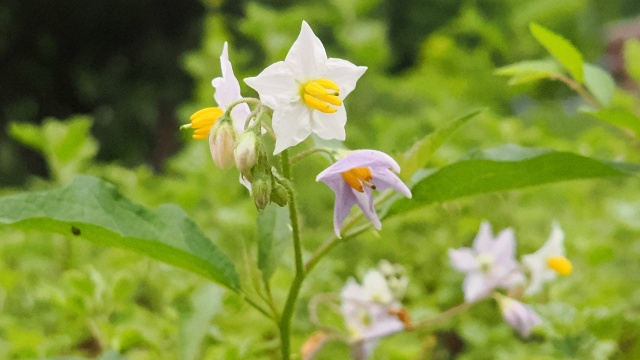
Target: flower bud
(222, 141)
(518, 315)
(261, 191)
(279, 194)
(245, 152)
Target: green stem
(253, 101)
(443, 316)
(296, 285)
(258, 307)
(306, 153)
(578, 89)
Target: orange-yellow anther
(560, 264)
(320, 93)
(203, 120)
(357, 178)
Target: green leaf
(528, 71)
(206, 303)
(421, 151)
(67, 146)
(94, 210)
(504, 168)
(599, 83)
(619, 117)
(632, 58)
(274, 233)
(561, 49)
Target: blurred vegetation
(134, 71)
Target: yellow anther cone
(357, 178)
(560, 264)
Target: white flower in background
(370, 311)
(490, 264)
(306, 91)
(518, 315)
(396, 278)
(545, 264)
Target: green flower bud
(245, 153)
(261, 191)
(222, 141)
(279, 194)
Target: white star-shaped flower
(545, 264)
(306, 91)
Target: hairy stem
(287, 313)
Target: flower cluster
(372, 309)
(304, 94)
(490, 264)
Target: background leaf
(620, 117)
(421, 151)
(599, 83)
(206, 303)
(93, 209)
(632, 58)
(504, 168)
(528, 71)
(561, 49)
(274, 233)
(66, 145)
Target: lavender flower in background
(489, 264)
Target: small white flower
(228, 91)
(545, 264)
(490, 264)
(375, 288)
(306, 91)
(518, 315)
(366, 316)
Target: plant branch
(296, 285)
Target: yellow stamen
(357, 178)
(328, 84)
(318, 104)
(203, 120)
(318, 94)
(560, 264)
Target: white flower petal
(307, 55)
(329, 126)
(343, 73)
(291, 125)
(276, 85)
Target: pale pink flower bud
(222, 141)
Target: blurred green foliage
(61, 298)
